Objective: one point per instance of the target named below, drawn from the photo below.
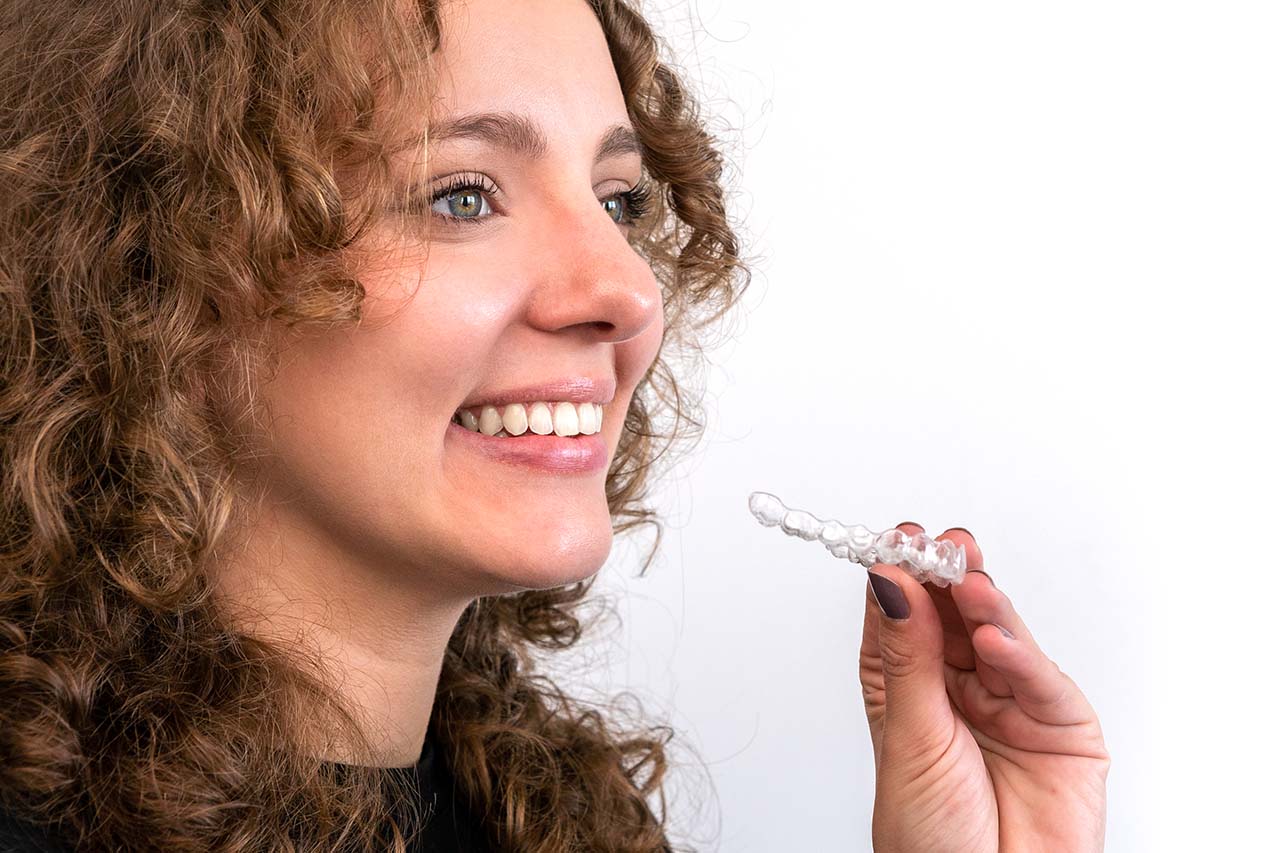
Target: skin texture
(381, 526)
(981, 742)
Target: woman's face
(530, 294)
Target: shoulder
(19, 836)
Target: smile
(564, 419)
(550, 454)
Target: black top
(448, 827)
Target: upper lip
(573, 389)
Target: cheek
(435, 334)
(357, 415)
(636, 356)
(439, 324)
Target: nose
(590, 279)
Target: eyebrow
(517, 133)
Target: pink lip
(552, 453)
(575, 389)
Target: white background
(1016, 266)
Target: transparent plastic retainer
(925, 559)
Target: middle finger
(957, 648)
(996, 683)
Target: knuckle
(872, 695)
(897, 659)
(868, 661)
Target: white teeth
(566, 419)
(586, 418)
(490, 420)
(540, 419)
(514, 420)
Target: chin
(560, 548)
(542, 546)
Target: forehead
(544, 59)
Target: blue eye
(464, 201)
(630, 205)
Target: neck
(380, 632)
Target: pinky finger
(1041, 689)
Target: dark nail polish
(892, 601)
(981, 572)
(1004, 630)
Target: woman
(316, 428)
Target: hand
(981, 743)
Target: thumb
(918, 720)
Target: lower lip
(575, 454)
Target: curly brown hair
(174, 176)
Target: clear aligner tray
(923, 558)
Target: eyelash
(635, 200)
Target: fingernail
(981, 572)
(1004, 630)
(949, 529)
(913, 524)
(892, 601)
